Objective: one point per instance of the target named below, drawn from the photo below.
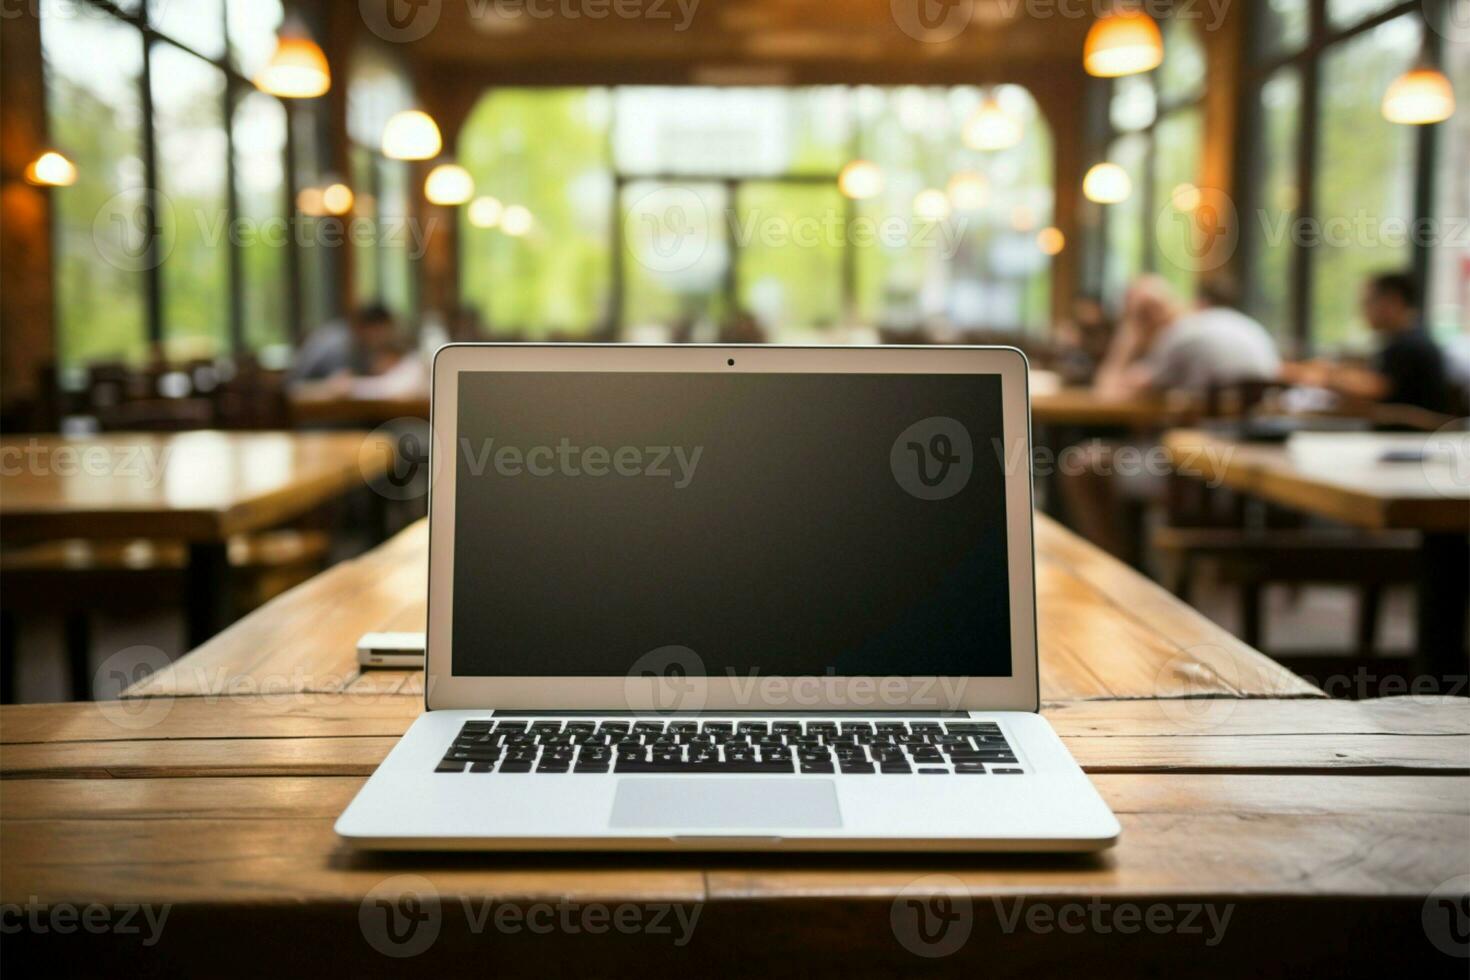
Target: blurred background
(237, 215)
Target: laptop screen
(760, 524)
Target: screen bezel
(443, 689)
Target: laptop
(717, 598)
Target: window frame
(1165, 107)
(236, 86)
(1307, 60)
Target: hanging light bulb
(485, 212)
(991, 127)
(1124, 42)
(968, 191)
(1051, 241)
(51, 169)
(449, 184)
(1107, 183)
(1420, 96)
(311, 202)
(337, 198)
(411, 135)
(860, 180)
(516, 221)
(297, 69)
(932, 205)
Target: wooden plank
(1353, 487)
(269, 840)
(199, 486)
(185, 758)
(1105, 631)
(346, 716)
(1208, 735)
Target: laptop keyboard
(732, 747)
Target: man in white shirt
(1162, 346)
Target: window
(386, 240)
(1448, 312)
(193, 170)
(1365, 178)
(1311, 245)
(93, 63)
(545, 152)
(678, 211)
(1157, 125)
(260, 155)
(1272, 222)
(147, 244)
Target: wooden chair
(75, 578)
(1255, 545)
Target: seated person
(1408, 368)
(363, 345)
(1082, 340)
(1160, 345)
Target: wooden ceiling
(732, 42)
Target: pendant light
(51, 169)
(1124, 42)
(298, 69)
(411, 135)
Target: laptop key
(515, 765)
(1006, 772)
(482, 766)
(856, 768)
(934, 772)
(449, 766)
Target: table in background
(197, 487)
(363, 412)
(1357, 487)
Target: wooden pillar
(27, 320)
(1063, 103)
(1225, 53)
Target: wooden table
(357, 411)
(1084, 408)
(1345, 478)
(199, 487)
(1313, 830)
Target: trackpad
(709, 804)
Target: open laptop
(712, 598)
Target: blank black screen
(759, 520)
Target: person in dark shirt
(1408, 369)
